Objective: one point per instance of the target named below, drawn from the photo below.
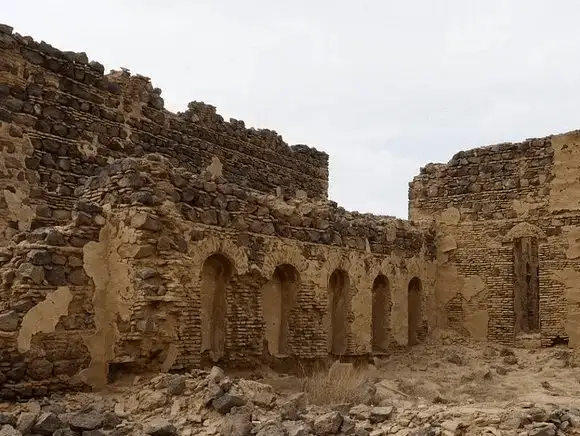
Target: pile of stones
(212, 403)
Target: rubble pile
(212, 403)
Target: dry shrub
(342, 383)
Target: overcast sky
(383, 86)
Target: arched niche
(278, 300)
(381, 312)
(338, 294)
(414, 312)
(216, 273)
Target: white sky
(383, 86)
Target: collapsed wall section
(506, 216)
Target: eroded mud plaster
(564, 187)
(113, 297)
(15, 148)
(43, 317)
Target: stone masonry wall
(111, 207)
(481, 203)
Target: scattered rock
(543, 429)
(327, 424)
(455, 358)
(259, 393)
(237, 423)
(86, 421)
(25, 422)
(510, 360)
(426, 431)
(380, 414)
(8, 430)
(47, 423)
(297, 428)
(293, 406)
(176, 385)
(271, 429)
(506, 352)
(159, 427)
(224, 403)
(360, 412)
(8, 418)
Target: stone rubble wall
(111, 205)
(479, 203)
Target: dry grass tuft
(342, 383)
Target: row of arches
(279, 305)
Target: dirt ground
(457, 388)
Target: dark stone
(93, 433)
(147, 273)
(9, 322)
(144, 251)
(64, 432)
(39, 369)
(145, 221)
(5, 28)
(176, 385)
(47, 423)
(142, 197)
(99, 68)
(54, 237)
(208, 217)
(34, 273)
(78, 277)
(39, 257)
(111, 420)
(56, 276)
(165, 243)
(14, 104)
(67, 368)
(224, 403)
(25, 422)
(160, 427)
(8, 418)
(86, 421)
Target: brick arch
(201, 250)
(524, 230)
(284, 255)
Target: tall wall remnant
(507, 222)
(132, 236)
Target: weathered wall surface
(124, 228)
(487, 202)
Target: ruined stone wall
(487, 202)
(124, 229)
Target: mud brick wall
(119, 220)
(78, 118)
(47, 308)
(480, 203)
(177, 220)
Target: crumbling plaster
(113, 297)
(43, 317)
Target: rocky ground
(459, 389)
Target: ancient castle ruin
(135, 237)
